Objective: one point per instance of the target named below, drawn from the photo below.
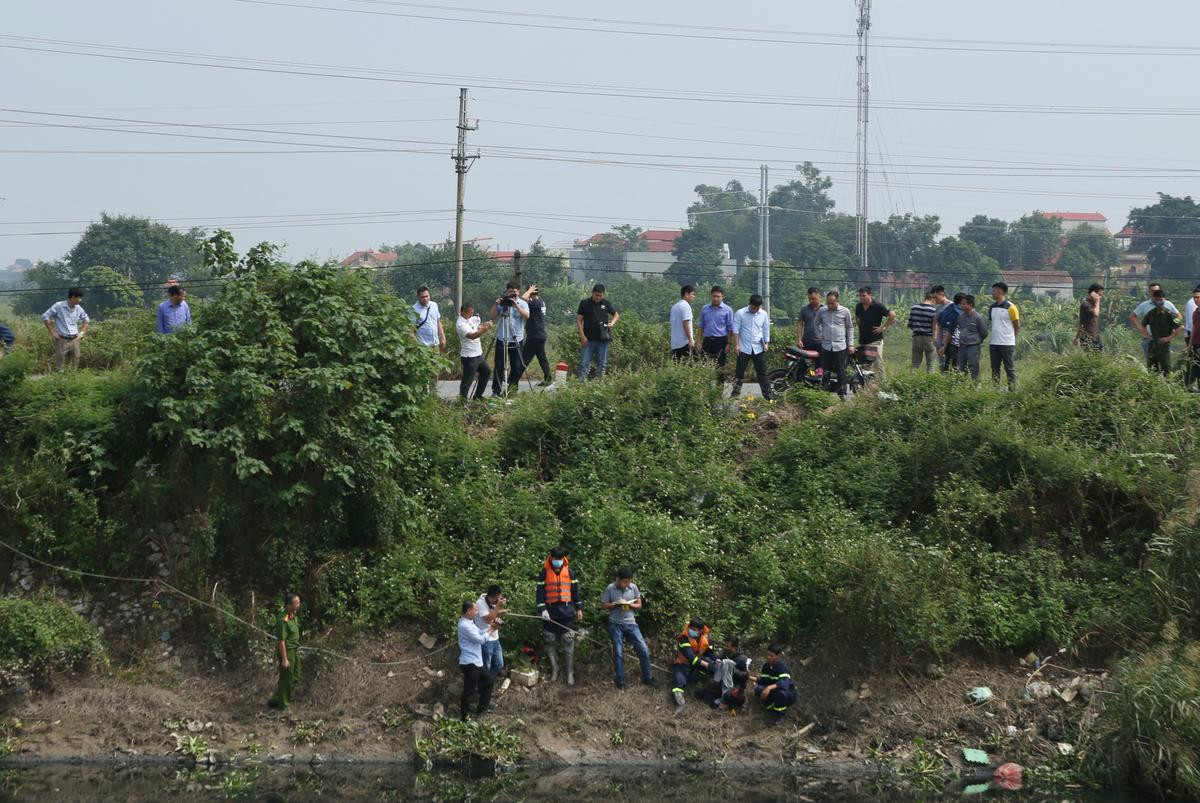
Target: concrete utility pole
(764, 239)
(517, 271)
(864, 97)
(462, 163)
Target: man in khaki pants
(67, 323)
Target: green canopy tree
(730, 213)
(1168, 232)
(145, 252)
(107, 290)
(990, 234)
(1088, 253)
(800, 205)
(960, 264)
(697, 258)
(1034, 241)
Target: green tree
(958, 263)
(45, 283)
(1088, 253)
(541, 267)
(990, 234)
(904, 242)
(1168, 232)
(820, 260)
(606, 252)
(1034, 241)
(145, 252)
(800, 205)
(697, 258)
(108, 290)
(730, 213)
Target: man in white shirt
(470, 352)
(510, 312)
(1005, 324)
(427, 318)
(683, 340)
(67, 323)
(751, 334)
(488, 610)
(470, 661)
(1141, 311)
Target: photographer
(510, 312)
(489, 608)
(470, 352)
(535, 333)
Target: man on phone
(1088, 334)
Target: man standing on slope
(560, 606)
(683, 339)
(1005, 324)
(716, 330)
(1140, 312)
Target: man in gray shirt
(621, 599)
(835, 330)
(972, 330)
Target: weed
(617, 738)
(455, 741)
(308, 731)
(194, 746)
(238, 783)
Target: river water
(63, 783)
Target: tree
(820, 260)
(606, 252)
(1168, 232)
(730, 213)
(697, 257)
(959, 263)
(145, 252)
(990, 234)
(800, 205)
(541, 267)
(107, 290)
(1034, 241)
(1088, 252)
(904, 242)
(46, 282)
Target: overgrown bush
(40, 636)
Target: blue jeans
(493, 657)
(618, 633)
(597, 349)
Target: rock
(317, 759)
(525, 679)
(439, 711)
(1068, 694)
(979, 695)
(1012, 731)
(427, 641)
(433, 673)
(194, 725)
(391, 674)
(1087, 688)
(285, 758)
(851, 695)
(935, 671)
(1037, 690)
(26, 583)
(1065, 749)
(864, 691)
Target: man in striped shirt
(920, 322)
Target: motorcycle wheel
(779, 380)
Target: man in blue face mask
(559, 606)
(1161, 325)
(693, 658)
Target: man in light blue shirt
(716, 330)
(470, 661)
(510, 312)
(1141, 311)
(67, 323)
(751, 334)
(427, 318)
(174, 312)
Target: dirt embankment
(843, 720)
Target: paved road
(449, 389)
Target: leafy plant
(40, 636)
(456, 741)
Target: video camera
(509, 299)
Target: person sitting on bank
(731, 673)
(287, 631)
(774, 685)
(693, 658)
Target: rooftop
(1017, 277)
(358, 257)
(1087, 217)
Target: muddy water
(63, 783)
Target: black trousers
(475, 678)
(473, 367)
(760, 370)
(1193, 365)
(834, 362)
(536, 348)
(713, 348)
(950, 360)
(510, 353)
(680, 354)
(1003, 355)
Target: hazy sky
(962, 146)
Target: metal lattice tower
(864, 97)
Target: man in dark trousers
(774, 685)
(730, 676)
(470, 661)
(693, 658)
(287, 647)
(873, 320)
(560, 606)
(535, 334)
(1162, 325)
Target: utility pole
(764, 239)
(864, 97)
(517, 271)
(462, 163)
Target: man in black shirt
(535, 333)
(872, 319)
(595, 320)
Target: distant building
(1132, 273)
(370, 259)
(1073, 220)
(1054, 284)
(655, 260)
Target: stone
(1068, 694)
(427, 641)
(851, 695)
(526, 679)
(439, 711)
(1038, 690)
(26, 583)
(433, 673)
(934, 671)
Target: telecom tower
(864, 96)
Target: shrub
(453, 741)
(40, 636)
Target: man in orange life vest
(559, 605)
(693, 657)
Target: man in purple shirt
(716, 330)
(174, 312)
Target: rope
(582, 635)
(148, 581)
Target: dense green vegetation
(40, 636)
(290, 433)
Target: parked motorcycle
(803, 366)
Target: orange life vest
(558, 583)
(699, 645)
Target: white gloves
(546, 614)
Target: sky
(145, 107)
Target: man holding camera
(489, 609)
(470, 351)
(595, 320)
(535, 333)
(510, 312)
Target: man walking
(716, 330)
(470, 352)
(470, 660)
(1140, 311)
(835, 331)
(67, 323)
(683, 340)
(1161, 326)
(559, 605)
(947, 334)
(535, 334)
(510, 312)
(173, 313)
(920, 323)
(1088, 333)
(622, 599)
(774, 685)
(427, 318)
(873, 320)
(287, 647)
(488, 610)
(751, 334)
(595, 320)
(1005, 325)
(971, 330)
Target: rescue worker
(693, 658)
(774, 685)
(731, 674)
(287, 632)
(559, 604)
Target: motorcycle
(804, 367)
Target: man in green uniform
(1161, 325)
(287, 631)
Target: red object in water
(1008, 776)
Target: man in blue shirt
(510, 312)
(774, 685)
(67, 323)
(947, 321)
(470, 661)
(174, 312)
(427, 318)
(751, 334)
(716, 330)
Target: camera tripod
(504, 325)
